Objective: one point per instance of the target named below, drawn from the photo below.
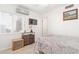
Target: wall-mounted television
(32, 21)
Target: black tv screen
(32, 21)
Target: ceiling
(42, 8)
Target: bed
(57, 45)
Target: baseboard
(5, 49)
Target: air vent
(22, 10)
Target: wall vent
(22, 10)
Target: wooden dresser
(28, 39)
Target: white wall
(37, 28)
(57, 26)
(6, 39)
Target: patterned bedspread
(56, 45)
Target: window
(10, 23)
(5, 22)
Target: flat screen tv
(32, 21)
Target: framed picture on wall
(70, 15)
(32, 21)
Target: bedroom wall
(6, 39)
(57, 26)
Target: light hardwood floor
(29, 49)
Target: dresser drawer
(28, 39)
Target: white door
(44, 26)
